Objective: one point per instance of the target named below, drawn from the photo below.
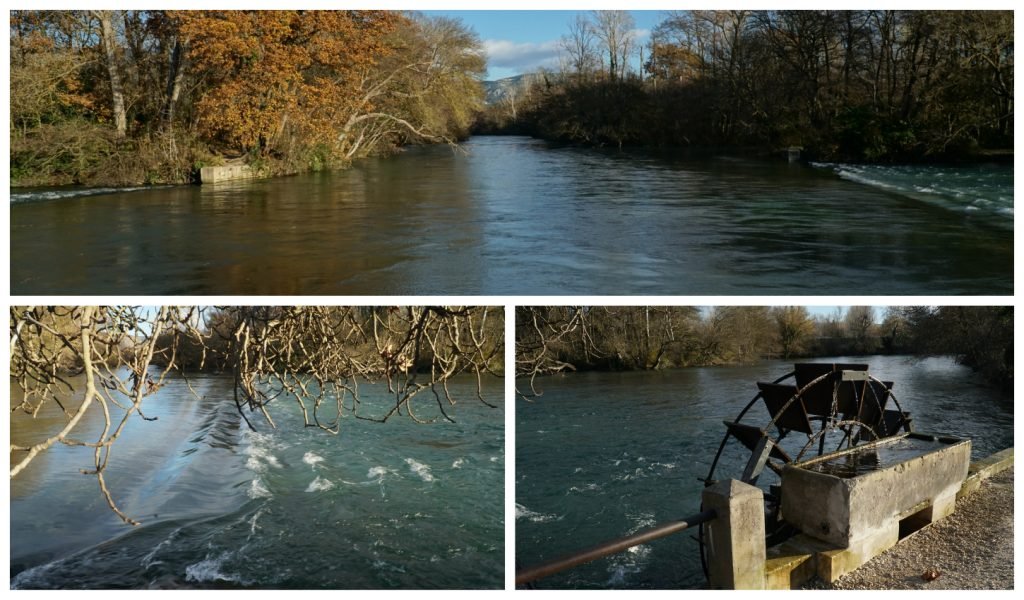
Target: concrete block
(844, 510)
(833, 564)
(735, 537)
(787, 567)
(225, 173)
(793, 562)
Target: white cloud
(641, 35)
(521, 56)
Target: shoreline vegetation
(559, 339)
(150, 97)
(849, 86)
(117, 98)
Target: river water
(395, 505)
(601, 455)
(516, 216)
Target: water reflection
(513, 216)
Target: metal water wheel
(825, 408)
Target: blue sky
(521, 41)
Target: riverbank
(130, 163)
(970, 549)
(806, 155)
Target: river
(394, 505)
(517, 216)
(601, 455)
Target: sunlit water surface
(517, 216)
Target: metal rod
(612, 547)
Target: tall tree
(614, 29)
(113, 61)
(860, 326)
(578, 44)
(795, 327)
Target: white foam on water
(636, 474)
(965, 190)
(420, 469)
(524, 513)
(149, 559)
(312, 459)
(260, 455)
(36, 196)
(383, 565)
(209, 570)
(29, 577)
(377, 473)
(258, 490)
(626, 563)
(457, 464)
(633, 560)
(641, 521)
(319, 485)
(252, 522)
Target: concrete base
(833, 564)
(983, 469)
(735, 537)
(794, 562)
(856, 511)
(226, 173)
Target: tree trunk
(116, 87)
(175, 75)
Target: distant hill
(498, 90)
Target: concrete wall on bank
(226, 173)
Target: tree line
(870, 85)
(554, 339)
(125, 96)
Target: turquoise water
(982, 192)
(602, 455)
(395, 505)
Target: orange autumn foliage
(277, 72)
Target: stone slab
(226, 173)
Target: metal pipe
(611, 547)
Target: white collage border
(509, 302)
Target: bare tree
(860, 325)
(578, 44)
(110, 51)
(314, 356)
(614, 30)
(541, 336)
